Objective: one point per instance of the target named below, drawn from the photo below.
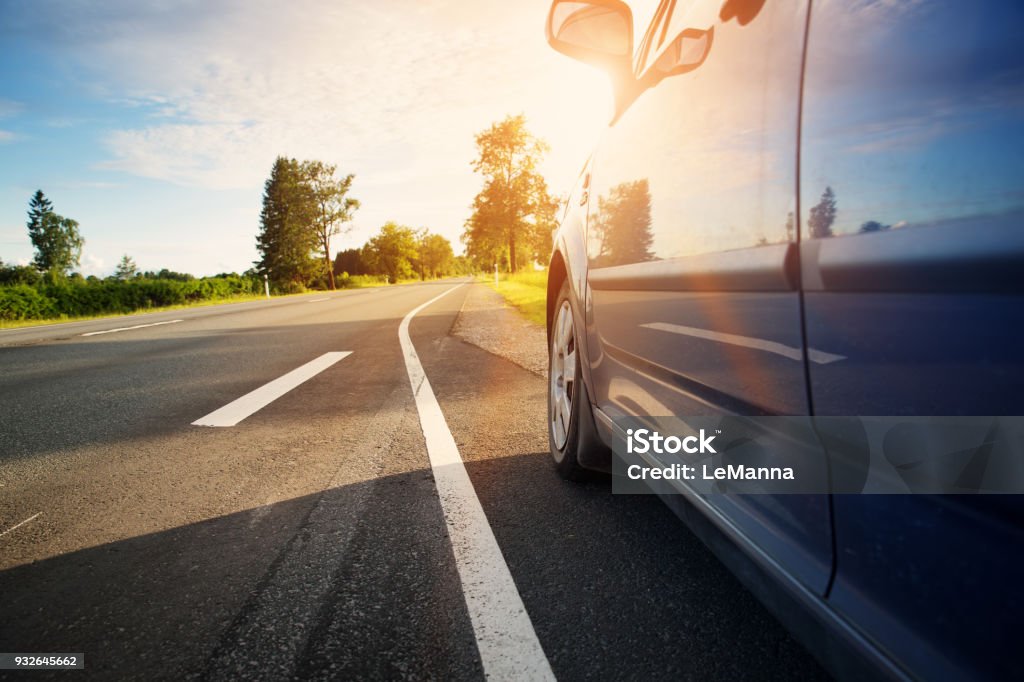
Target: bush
(19, 274)
(50, 297)
(22, 302)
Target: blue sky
(155, 124)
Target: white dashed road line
(18, 525)
(125, 329)
(508, 645)
(239, 409)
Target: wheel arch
(556, 275)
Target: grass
(527, 291)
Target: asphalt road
(309, 540)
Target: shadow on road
(615, 585)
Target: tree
(514, 201)
(126, 269)
(57, 241)
(485, 241)
(545, 224)
(350, 261)
(18, 274)
(436, 257)
(285, 240)
(331, 207)
(823, 215)
(622, 224)
(38, 207)
(392, 252)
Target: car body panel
(691, 246)
(832, 233)
(915, 273)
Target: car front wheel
(566, 394)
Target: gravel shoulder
(488, 322)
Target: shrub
(56, 297)
(22, 302)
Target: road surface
(309, 540)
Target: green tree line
(399, 253)
(305, 204)
(50, 289)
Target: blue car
(811, 209)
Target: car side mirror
(596, 32)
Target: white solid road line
(508, 645)
(817, 356)
(317, 300)
(125, 329)
(18, 525)
(239, 409)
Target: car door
(913, 186)
(694, 301)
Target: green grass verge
(527, 291)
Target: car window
(912, 117)
(705, 161)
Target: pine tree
(285, 240)
(38, 207)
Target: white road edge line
(125, 329)
(239, 409)
(317, 300)
(508, 645)
(19, 525)
(814, 355)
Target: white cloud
(9, 108)
(7, 136)
(92, 265)
(393, 92)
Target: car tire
(567, 397)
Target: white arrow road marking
(125, 329)
(239, 409)
(508, 645)
(814, 355)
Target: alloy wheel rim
(563, 374)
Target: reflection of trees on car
(823, 215)
(873, 226)
(622, 224)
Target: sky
(155, 124)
